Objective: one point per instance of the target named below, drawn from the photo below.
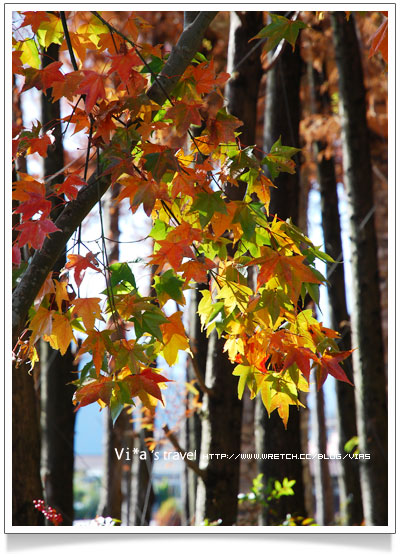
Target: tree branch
(74, 213)
(184, 51)
(189, 463)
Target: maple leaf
(123, 65)
(141, 191)
(16, 255)
(35, 204)
(222, 128)
(38, 145)
(47, 288)
(174, 337)
(197, 269)
(67, 88)
(89, 310)
(147, 381)
(379, 41)
(290, 270)
(99, 389)
(43, 79)
(171, 252)
(68, 187)
(50, 30)
(301, 357)
(97, 342)
(17, 66)
(80, 45)
(184, 114)
(34, 19)
(61, 293)
(34, 232)
(329, 364)
(92, 86)
(280, 159)
(280, 28)
(40, 324)
(30, 54)
(80, 263)
(204, 75)
(61, 334)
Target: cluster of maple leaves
(201, 235)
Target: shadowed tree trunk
(368, 359)
(351, 511)
(222, 411)
(281, 119)
(26, 484)
(324, 511)
(58, 416)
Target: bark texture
(222, 411)
(58, 416)
(368, 359)
(281, 119)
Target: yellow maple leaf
(61, 335)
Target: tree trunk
(281, 119)
(58, 416)
(351, 511)
(117, 435)
(368, 359)
(222, 411)
(324, 511)
(27, 484)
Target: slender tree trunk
(26, 480)
(192, 430)
(281, 119)
(58, 416)
(222, 411)
(117, 436)
(351, 511)
(368, 359)
(324, 511)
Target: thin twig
(189, 462)
(199, 375)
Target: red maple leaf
(68, 187)
(92, 86)
(123, 64)
(329, 364)
(35, 204)
(43, 79)
(146, 381)
(34, 232)
(100, 389)
(38, 145)
(34, 19)
(184, 113)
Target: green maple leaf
(280, 28)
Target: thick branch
(184, 51)
(74, 213)
(189, 463)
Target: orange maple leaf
(80, 264)
(89, 310)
